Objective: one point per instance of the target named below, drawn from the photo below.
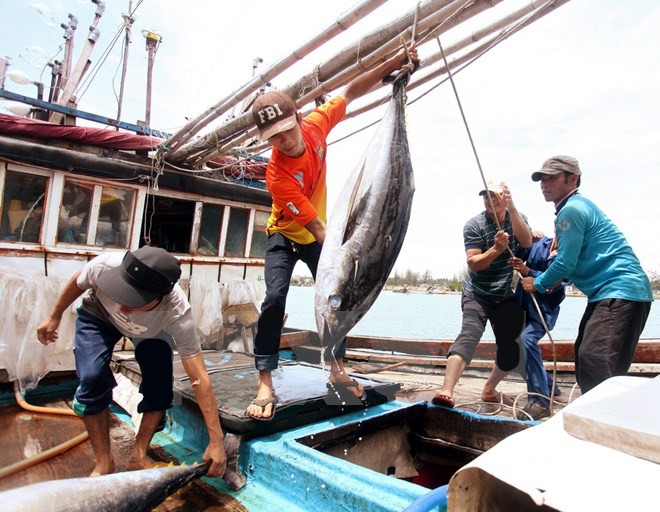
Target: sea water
(434, 316)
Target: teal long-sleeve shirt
(594, 255)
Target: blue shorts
(93, 344)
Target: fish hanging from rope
(366, 228)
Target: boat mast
(81, 65)
(128, 24)
(153, 42)
(60, 69)
(432, 18)
(366, 52)
(186, 133)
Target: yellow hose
(34, 408)
(48, 454)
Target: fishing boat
(388, 453)
(69, 191)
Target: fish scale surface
(366, 229)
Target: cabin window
(168, 223)
(237, 233)
(22, 207)
(80, 224)
(115, 217)
(75, 213)
(259, 238)
(209, 233)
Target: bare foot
(444, 399)
(104, 469)
(142, 462)
(496, 397)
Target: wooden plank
(26, 434)
(476, 432)
(297, 339)
(415, 364)
(407, 346)
(311, 354)
(648, 350)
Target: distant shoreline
(425, 290)
(420, 289)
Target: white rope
(497, 222)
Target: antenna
(153, 42)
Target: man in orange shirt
(295, 177)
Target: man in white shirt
(134, 295)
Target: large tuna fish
(131, 491)
(366, 228)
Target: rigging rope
(497, 222)
(503, 35)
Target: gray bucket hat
(556, 165)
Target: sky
(582, 81)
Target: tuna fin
(355, 205)
(233, 475)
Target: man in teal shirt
(596, 257)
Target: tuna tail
(119, 492)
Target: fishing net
(210, 298)
(206, 302)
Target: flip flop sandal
(343, 389)
(502, 399)
(263, 402)
(442, 399)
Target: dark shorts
(93, 344)
(507, 320)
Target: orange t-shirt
(297, 185)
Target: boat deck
(301, 389)
(418, 384)
(26, 434)
(303, 396)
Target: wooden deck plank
(26, 434)
(648, 350)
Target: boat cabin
(68, 193)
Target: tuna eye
(335, 302)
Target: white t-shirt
(171, 320)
